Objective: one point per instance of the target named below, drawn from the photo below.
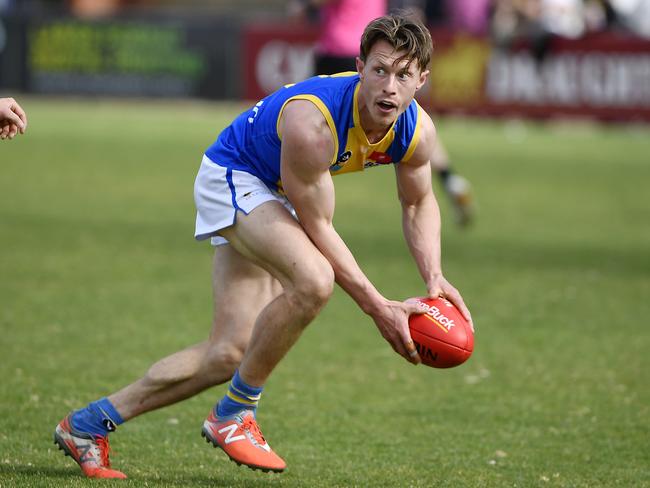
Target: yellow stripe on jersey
(324, 110)
(416, 137)
(338, 75)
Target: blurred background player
(540, 21)
(341, 25)
(13, 119)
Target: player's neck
(374, 131)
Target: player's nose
(390, 84)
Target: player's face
(387, 85)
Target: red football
(442, 336)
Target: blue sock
(239, 396)
(98, 418)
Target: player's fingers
(7, 132)
(408, 346)
(400, 348)
(434, 292)
(414, 357)
(407, 351)
(415, 306)
(455, 297)
(18, 110)
(12, 118)
(402, 344)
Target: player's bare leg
(240, 289)
(185, 373)
(271, 237)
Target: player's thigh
(272, 238)
(241, 289)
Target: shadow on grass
(73, 474)
(40, 471)
(268, 480)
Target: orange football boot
(241, 439)
(90, 451)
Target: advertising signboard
(605, 76)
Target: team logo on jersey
(340, 162)
(345, 157)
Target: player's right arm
(307, 152)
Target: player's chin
(387, 117)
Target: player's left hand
(438, 286)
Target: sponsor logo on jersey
(377, 158)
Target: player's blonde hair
(404, 33)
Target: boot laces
(251, 426)
(104, 448)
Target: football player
(265, 199)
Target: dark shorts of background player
(328, 65)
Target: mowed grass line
(100, 277)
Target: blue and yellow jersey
(252, 142)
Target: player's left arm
(421, 216)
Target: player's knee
(223, 359)
(313, 289)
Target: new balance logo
(83, 452)
(231, 429)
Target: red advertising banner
(605, 76)
(275, 55)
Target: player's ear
(360, 66)
(423, 79)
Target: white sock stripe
(252, 398)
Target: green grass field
(100, 276)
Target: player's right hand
(392, 321)
(12, 118)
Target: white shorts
(219, 192)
